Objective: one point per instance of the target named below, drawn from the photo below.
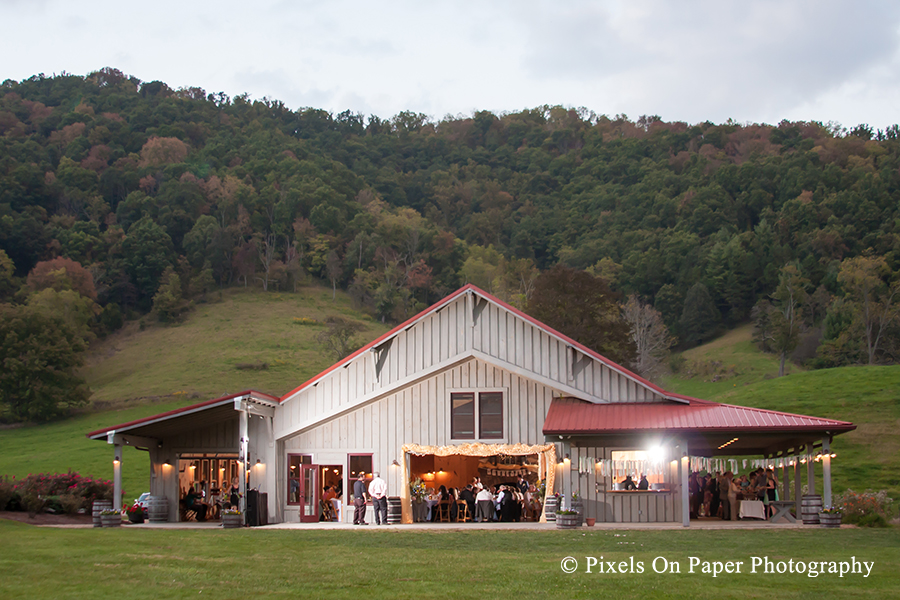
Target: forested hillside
(163, 195)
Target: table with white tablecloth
(752, 509)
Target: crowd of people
(509, 502)
(720, 495)
(202, 501)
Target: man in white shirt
(484, 501)
(378, 492)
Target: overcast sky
(752, 61)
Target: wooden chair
(444, 512)
(462, 511)
(186, 514)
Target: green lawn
(392, 563)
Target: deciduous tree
(650, 335)
(867, 284)
(39, 361)
(584, 308)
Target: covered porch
(678, 439)
(204, 447)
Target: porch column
(797, 491)
(117, 477)
(826, 473)
(684, 467)
(810, 472)
(785, 480)
(243, 430)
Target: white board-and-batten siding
(469, 326)
(420, 414)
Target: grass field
(200, 357)
(390, 563)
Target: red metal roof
(574, 416)
(178, 411)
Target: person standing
(378, 492)
(359, 500)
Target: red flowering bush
(866, 509)
(65, 491)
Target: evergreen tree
(700, 318)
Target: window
(294, 474)
(490, 415)
(487, 406)
(358, 463)
(640, 462)
(462, 416)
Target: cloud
(709, 59)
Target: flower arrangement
(417, 490)
(106, 512)
(832, 510)
(134, 510)
(566, 512)
(231, 511)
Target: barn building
(469, 387)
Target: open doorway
(516, 466)
(331, 483)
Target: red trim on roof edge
(568, 404)
(512, 309)
(181, 410)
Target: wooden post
(810, 472)
(826, 473)
(243, 430)
(797, 491)
(684, 466)
(117, 477)
(406, 515)
(785, 480)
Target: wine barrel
(158, 509)
(568, 521)
(97, 507)
(111, 520)
(550, 508)
(810, 505)
(578, 506)
(395, 511)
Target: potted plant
(232, 518)
(567, 519)
(830, 517)
(577, 504)
(135, 513)
(110, 517)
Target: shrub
(60, 491)
(70, 503)
(258, 366)
(33, 504)
(866, 509)
(7, 492)
(872, 520)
